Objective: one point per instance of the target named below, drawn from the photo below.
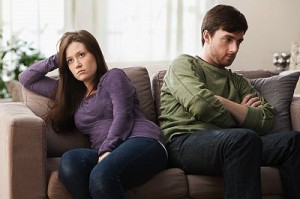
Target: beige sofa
(30, 151)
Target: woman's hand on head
(103, 156)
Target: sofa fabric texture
(31, 151)
(278, 91)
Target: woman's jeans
(132, 163)
(237, 155)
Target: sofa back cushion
(277, 89)
(158, 78)
(58, 144)
(141, 80)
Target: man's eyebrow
(233, 37)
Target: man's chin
(223, 65)
(228, 63)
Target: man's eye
(228, 39)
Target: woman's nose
(78, 63)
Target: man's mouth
(231, 57)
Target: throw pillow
(278, 91)
(15, 90)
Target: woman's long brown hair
(70, 91)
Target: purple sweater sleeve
(122, 93)
(34, 78)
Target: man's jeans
(132, 163)
(237, 155)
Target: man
(216, 123)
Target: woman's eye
(81, 54)
(70, 61)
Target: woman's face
(81, 63)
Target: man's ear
(206, 36)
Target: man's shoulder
(236, 75)
(183, 58)
(183, 61)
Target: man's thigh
(203, 152)
(277, 147)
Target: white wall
(273, 25)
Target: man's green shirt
(188, 101)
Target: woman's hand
(103, 156)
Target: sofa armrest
(22, 153)
(295, 113)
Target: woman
(127, 149)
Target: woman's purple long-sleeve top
(109, 116)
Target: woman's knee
(100, 180)
(76, 161)
(67, 164)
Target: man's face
(222, 47)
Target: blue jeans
(237, 154)
(131, 164)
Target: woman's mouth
(80, 72)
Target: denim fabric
(132, 163)
(237, 154)
(282, 150)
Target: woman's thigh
(134, 162)
(81, 159)
(74, 171)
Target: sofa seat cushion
(56, 190)
(208, 187)
(169, 184)
(211, 187)
(271, 181)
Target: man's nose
(234, 47)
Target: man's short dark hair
(223, 17)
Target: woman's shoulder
(115, 72)
(115, 75)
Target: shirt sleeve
(259, 119)
(189, 90)
(122, 94)
(34, 78)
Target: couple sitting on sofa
(213, 121)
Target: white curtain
(127, 30)
(141, 30)
(39, 22)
